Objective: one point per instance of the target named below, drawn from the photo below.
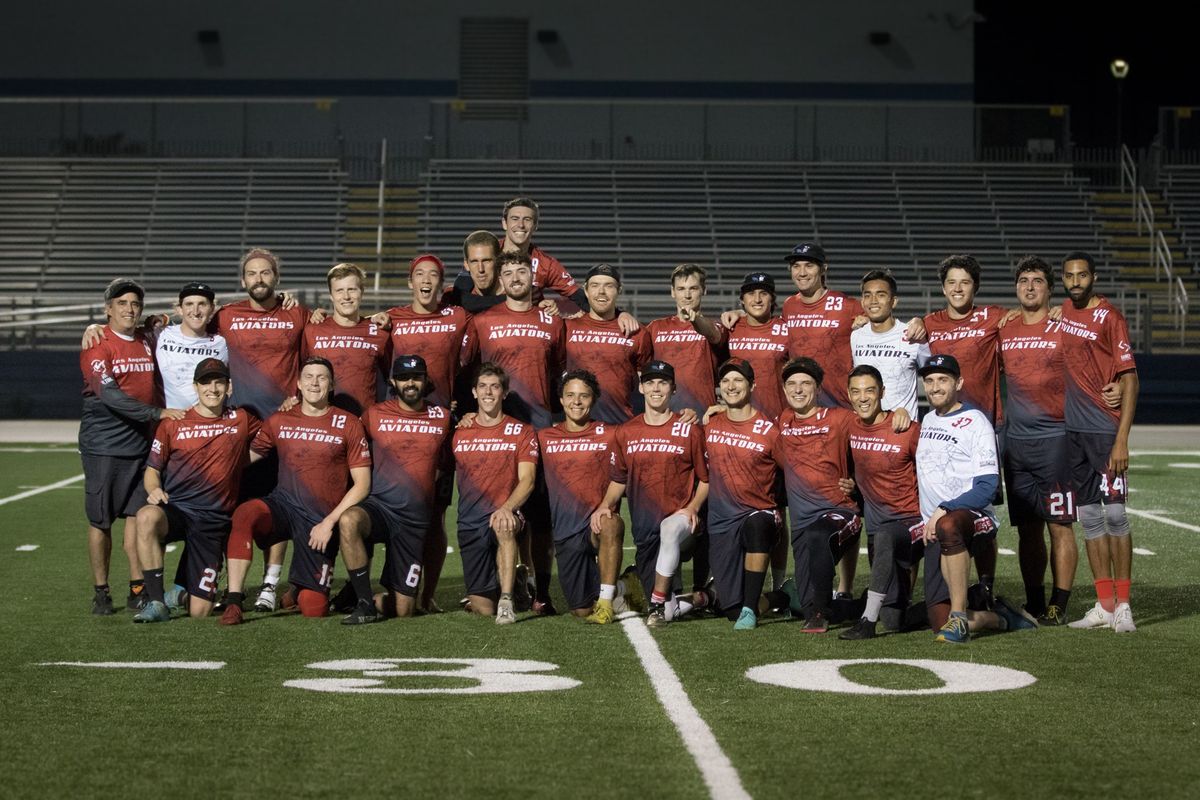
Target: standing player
(322, 450)
(496, 465)
(357, 347)
(1096, 350)
(886, 474)
(690, 340)
(813, 449)
(519, 220)
(573, 452)
(191, 483)
(179, 348)
(477, 287)
(884, 345)
(1036, 459)
(409, 452)
(742, 520)
(761, 339)
(596, 343)
(121, 402)
(659, 461)
(957, 475)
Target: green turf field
(1104, 715)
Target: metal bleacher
(1180, 186)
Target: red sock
(1122, 590)
(658, 597)
(1104, 594)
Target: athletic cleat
(816, 623)
(545, 609)
(522, 597)
(980, 597)
(793, 593)
(155, 611)
(955, 631)
(746, 621)
(1096, 617)
(267, 601)
(136, 601)
(363, 614)
(602, 613)
(633, 591)
(863, 629)
(656, 617)
(175, 597)
(504, 613)
(288, 601)
(1018, 619)
(232, 615)
(345, 600)
(430, 606)
(1055, 615)
(102, 605)
(1123, 619)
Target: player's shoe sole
(657, 616)
(634, 593)
(175, 597)
(1094, 619)
(602, 613)
(155, 611)
(816, 623)
(505, 615)
(363, 614)
(746, 621)
(1017, 619)
(863, 629)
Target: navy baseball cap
(210, 368)
(941, 363)
(658, 369)
(120, 286)
(807, 251)
(739, 365)
(758, 280)
(197, 288)
(408, 365)
(607, 270)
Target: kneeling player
(575, 456)
(409, 451)
(496, 466)
(191, 480)
(957, 475)
(321, 450)
(659, 460)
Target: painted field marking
(1141, 551)
(1004, 551)
(862, 551)
(27, 548)
(715, 767)
(1184, 453)
(1164, 520)
(39, 449)
(65, 482)
(449, 550)
(170, 548)
(137, 664)
(825, 675)
(1186, 465)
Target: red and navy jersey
(117, 426)
(975, 341)
(1095, 351)
(264, 353)
(316, 455)
(660, 466)
(766, 348)
(694, 358)
(814, 454)
(614, 358)
(548, 273)
(201, 458)
(821, 331)
(441, 339)
(1031, 355)
(486, 459)
(359, 354)
(576, 466)
(408, 448)
(741, 468)
(529, 345)
(885, 469)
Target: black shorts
(311, 569)
(577, 569)
(1090, 478)
(403, 546)
(112, 488)
(936, 589)
(477, 547)
(203, 534)
(1038, 474)
(727, 556)
(907, 551)
(259, 479)
(443, 491)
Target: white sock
(778, 576)
(874, 603)
(608, 591)
(272, 576)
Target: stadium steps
(401, 230)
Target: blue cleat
(1017, 619)
(746, 621)
(175, 597)
(955, 630)
(154, 611)
(793, 593)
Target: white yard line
(1163, 520)
(39, 450)
(40, 489)
(1134, 453)
(715, 767)
(137, 664)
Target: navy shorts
(906, 552)
(311, 569)
(112, 488)
(727, 555)
(478, 546)
(1038, 474)
(403, 545)
(1090, 478)
(578, 571)
(203, 533)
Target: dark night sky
(1059, 52)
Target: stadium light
(1119, 68)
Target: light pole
(1119, 69)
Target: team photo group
(787, 426)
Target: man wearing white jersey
(884, 344)
(181, 347)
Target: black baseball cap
(408, 365)
(194, 288)
(758, 280)
(210, 368)
(739, 365)
(807, 251)
(607, 270)
(120, 286)
(941, 363)
(802, 365)
(657, 369)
